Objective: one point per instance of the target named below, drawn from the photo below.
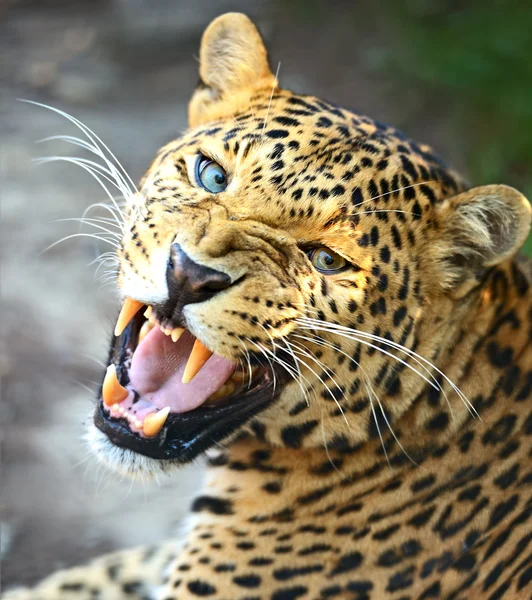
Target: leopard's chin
(166, 398)
(184, 436)
(128, 463)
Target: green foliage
(470, 60)
(482, 52)
(479, 54)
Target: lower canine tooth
(177, 333)
(153, 422)
(226, 390)
(112, 391)
(241, 376)
(198, 357)
(145, 329)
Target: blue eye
(210, 175)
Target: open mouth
(167, 396)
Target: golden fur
(396, 461)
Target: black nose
(190, 282)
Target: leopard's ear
(233, 66)
(480, 228)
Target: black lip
(185, 436)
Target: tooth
(112, 391)
(177, 333)
(225, 390)
(240, 376)
(154, 422)
(198, 357)
(148, 311)
(129, 309)
(144, 330)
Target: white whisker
(110, 209)
(95, 225)
(356, 335)
(416, 357)
(89, 133)
(369, 389)
(326, 370)
(121, 183)
(397, 190)
(393, 433)
(262, 350)
(375, 347)
(377, 426)
(296, 364)
(300, 374)
(275, 83)
(74, 235)
(94, 172)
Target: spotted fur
(396, 462)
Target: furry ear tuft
(481, 228)
(233, 66)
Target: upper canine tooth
(177, 333)
(148, 311)
(112, 391)
(198, 357)
(129, 309)
(153, 422)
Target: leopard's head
(289, 270)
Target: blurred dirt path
(126, 68)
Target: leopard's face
(281, 263)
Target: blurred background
(454, 73)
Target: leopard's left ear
(480, 229)
(233, 66)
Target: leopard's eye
(326, 260)
(210, 175)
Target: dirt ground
(125, 68)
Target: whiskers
(414, 362)
(371, 394)
(306, 369)
(362, 337)
(109, 224)
(274, 86)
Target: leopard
(340, 326)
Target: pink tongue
(157, 368)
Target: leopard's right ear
(233, 66)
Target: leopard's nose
(190, 282)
